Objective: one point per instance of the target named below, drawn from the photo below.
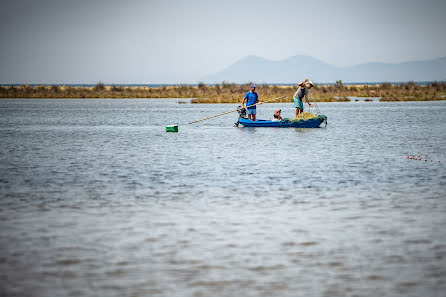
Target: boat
(285, 123)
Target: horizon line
(212, 84)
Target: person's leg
(301, 106)
(254, 111)
(298, 111)
(298, 105)
(295, 104)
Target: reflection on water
(96, 199)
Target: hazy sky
(66, 41)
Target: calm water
(97, 200)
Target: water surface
(96, 199)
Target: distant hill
(293, 69)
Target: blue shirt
(251, 98)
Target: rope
(318, 112)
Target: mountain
(292, 69)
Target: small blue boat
(285, 123)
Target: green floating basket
(172, 128)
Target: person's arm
(257, 100)
(243, 101)
(306, 99)
(302, 83)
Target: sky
(175, 41)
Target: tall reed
(232, 93)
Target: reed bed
(232, 93)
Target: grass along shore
(232, 93)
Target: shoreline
(230, 93)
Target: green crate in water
(172, 128)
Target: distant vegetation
(231, 93)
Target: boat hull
(311, 123)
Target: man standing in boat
(302, 92)
(251, 98)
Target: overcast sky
(63, 41)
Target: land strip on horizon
(232, 93)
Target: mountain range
(296, 68)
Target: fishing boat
(285, 123)
(307, 121)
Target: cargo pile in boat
(304, 116)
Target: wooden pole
(211, 117)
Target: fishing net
(304, 116)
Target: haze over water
(97, 200)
